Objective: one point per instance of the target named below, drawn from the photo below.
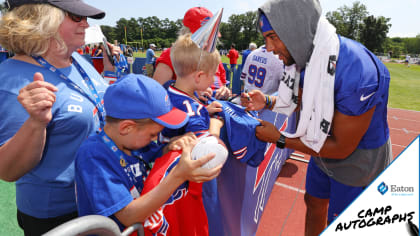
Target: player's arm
(144, 206)
(346, 133)
(257, 100)
(163, 73)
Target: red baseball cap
(196, 17)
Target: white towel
(288, 91)
(318, 90)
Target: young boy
(195, 69)
(111, 166)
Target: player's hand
(176, 143)
(38, 98)
(253, 101)
(267, 132)
(214, 107)
(191, 170)
(223, 93)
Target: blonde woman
(51, 102)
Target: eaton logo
(383, 188)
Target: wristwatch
(281, 142)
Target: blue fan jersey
(199, 118)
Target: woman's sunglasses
(76, 18)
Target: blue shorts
(320, 185)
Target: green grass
(404, 89)
(8, 222)
(403, 93)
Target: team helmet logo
(167, 102)
(204, 20)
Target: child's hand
(175, 142)
(223, 93)
(191, 170)
(214, 107)
(204, 95)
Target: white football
(208, 145)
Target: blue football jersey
(199, 118)
(238, 134)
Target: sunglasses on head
(76, 18)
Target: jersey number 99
(256, 75)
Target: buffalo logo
(204, 20)
(262, 168)
(383, 188)
(167, 103)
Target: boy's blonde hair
(29, 28)
(187, 57)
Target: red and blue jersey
(183, 213)
(199, 118)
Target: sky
(404, 14)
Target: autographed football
(210, 144)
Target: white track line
(402, 109)
(399, 145)
(290, 187)
(406, 131)
(402, 119)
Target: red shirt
(233, 56)
(184, 215)
(80, 51)
(87, 49)
(165, 58)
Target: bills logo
(264, 172)
(204, 21)
(167, 103)
(157, 222)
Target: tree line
(353, 22)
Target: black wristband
(281, 142)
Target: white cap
(152, 45)
(252, 46)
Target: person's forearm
(23, 151)
(296, 144)
(330, 149)
(144, 206)
(215, 125)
